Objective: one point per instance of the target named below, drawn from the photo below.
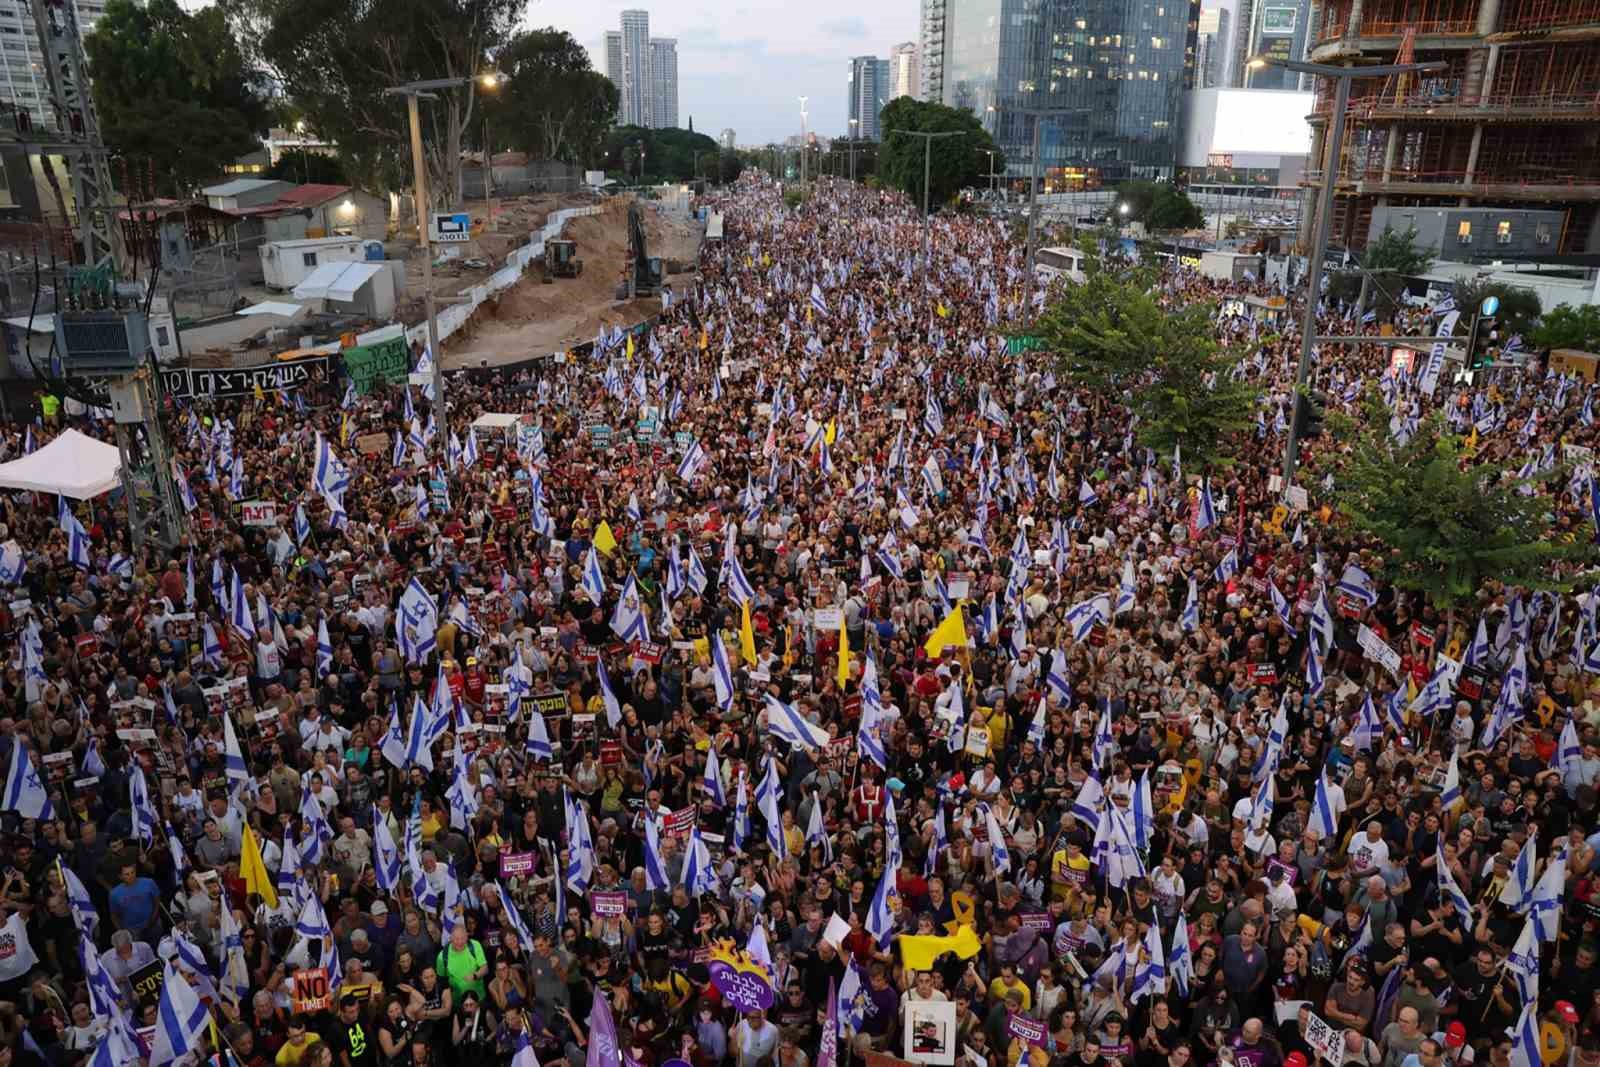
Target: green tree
(1565, 326)
(1519, 307)
(173, 89)
(336, 58)
(1396, 252)
(955, 162)
(1112, 334)
(1447, 527)
(669, 154)
(298, 165)
(553, 104)
(730, 165)
(1159, 205)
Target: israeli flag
(786, 724)
(1191, 609)
(698, 579)
(699, 871)
(655, 871)
(1357, 584)
(386, 863)
(1547, 898)
(25, 792)
(1087, 497)
(1526, 1047)
(593, 581)
(607, 695)
(711, 781)
(1280, 606)
(1324, 819)
(721, 675)
(538, 743)
(818, 304)
(1105, 744)
(1150, 975)
(77, 536)
(1517, 894)
(12, 564)
(628, 620)
(1091, 795)
(317, 831)
(694, 457)
(180, 1018)
(329, 476)
(1448, 889)
(880, 916)
(1206, 513)
(313, 926)
(767, 793)
(1523, 962)
(741, 813)
(1450, 795)
(240, 616)
(1144, 819)
(144, 812)
(234, 769)
(1228, 567)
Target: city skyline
(735, 72)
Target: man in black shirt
(353, 1040)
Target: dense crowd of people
(806, 676)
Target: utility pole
(853, 124)
(1332, 154)
(803, 100)
(927, 168)
(414, 91)
(1039, 115)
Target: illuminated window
(1502, 232)
(1464, 232)
(1080, 24)
(1541, 233)
(1156, 42)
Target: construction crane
(77, 131)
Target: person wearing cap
(1453, 1040)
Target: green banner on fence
(383, 363)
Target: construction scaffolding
(1509, 121)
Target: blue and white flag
(1450, 795)
(25, 791)
(416, 622)
(1324, 819)
(711, 780)
(880, 913)
(1087, 497)
(1357, 584)
(1526, 1046)
(1280, 607)
(694, 458)
(12, 564)
(629, 620)
(144, 811)
(699, 870)
(721, 673)
(593, 581)
(77, 536)
(317, 832)
(180, 1018)
(1449, 891)
(1206, 514)
(655, 871)
(608, 696)
(1180, 965)
(1517, 893)
(1523, 962)
(386, 861)
(1191, 609)
(787, 724)
(1150, 975)
(1548, 893)
(84, 915)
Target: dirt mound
(532, 318)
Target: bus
(1052, 263)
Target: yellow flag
(344, 429)
(844, 653)
(944, 312)
(952, 633)
(747, 634)
(629, 352)
(831, 432)
(258, 393)
(604, 539)
(253, 871)
(918, 952)
(704, 340)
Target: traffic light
(1484, 337)
(1309, 409)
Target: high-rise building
(903, 71)
(636, 82)
(1214, 47)
(1239, 57)
(931, 60)
(1278, 29)
(612, 47)
(664, 82)
(22, 67)
(1114, 70)
(1509, 123)
(868, 91)
(645, 72)
(726, 139)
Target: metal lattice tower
(61, 41)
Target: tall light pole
(990, 153)
(1039, 115)
(414, 91)
(1332, 153)
(927, 166)
(803, 100)
(853, 124)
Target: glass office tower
(1115, 70)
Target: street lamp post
(803, 100)
(1332, 154)
(990, 153)
(414, 91)
(853, 124)
(927, 167)
(1039, 114)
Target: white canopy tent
(73, 465)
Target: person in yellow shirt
(1007, 982)
(297, 1047)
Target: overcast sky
(743, 63)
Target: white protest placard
(825, 619)
(1377, 650)
(1296, 498)
(258, 513)
(1324, 1039)
(836, 930)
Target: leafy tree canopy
(669, 154)
(955, 162)
(1565, 326)
(172, 89)
(553, 104)
(1159, 205)
(1396, 252)
(298, 165)
(1519, 307)
(1447, 529)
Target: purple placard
(612, 903)
(1029, 1030)
(741, 990)
(515, 863)
(1036, 920)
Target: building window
(1502, 232)
(1464, 232)
(1541, 233)
(161, 336)
(308, 259)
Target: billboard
(1278, 21)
